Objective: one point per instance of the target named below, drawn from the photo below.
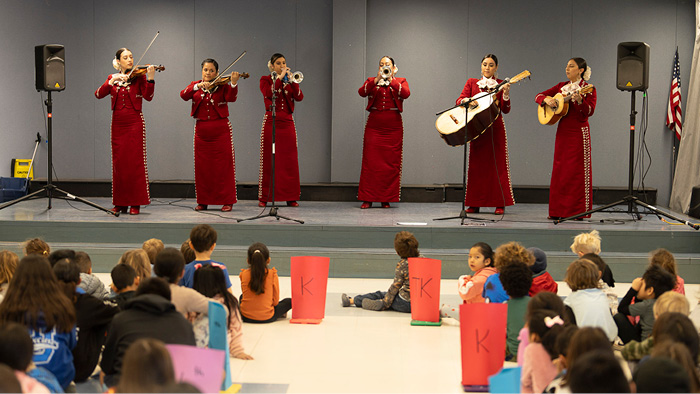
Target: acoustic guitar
(548, 115)
(464, 124)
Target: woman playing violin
(489, 182)
(128, 131)
(214, 155)
(382, 151)
(287, 92)
(571, 186)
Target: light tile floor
(355, 350)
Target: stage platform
(359, 242)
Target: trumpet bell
(386, 72)
(297, 77)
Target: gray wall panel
(337, 44)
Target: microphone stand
(463, 213)
(273, 209)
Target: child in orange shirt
(470, 287)
(260, 301)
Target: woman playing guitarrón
(488, 183)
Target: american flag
(674, 116)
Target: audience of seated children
(124, 284)
(586, 243)
(149, 314)
(187, 252)
(138, 260)
(170, 266)
(398, 297)
(538, 369)
(655, 282)
(517, 281)
(670, 301)
(598, 372)
(35, 300)
(36, 246)
(203, 241)
(588, 302)
(93, 319)
(260, 288)
(667, 261)
(471, 287)
(8, 265)
(209, 281)
(148, 368)
(89, 282)
(152, 247)
(680, 353)
(16, 351)
(505, 254)
(661, 375)
(543, 301)
(541, 279)
(609, 292)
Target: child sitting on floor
(517, 281)
(124, 284)
(541, 279)
(585, 243)
(138, 260)
(505, 254)
(609, 292)
(665, 260)
(260, 301)
(88, 281)
(538, 369)
(398, 297)
(471, 287)
(589, 303)
(675, 326)
(36, 246)
(655, 282)
(542, 301)
(203, 239)
(152, 247)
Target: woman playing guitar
(570, 190)
(488, 183)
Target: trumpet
(297, 77)
(386, 72)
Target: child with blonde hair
(586, 243)
(138, 260)
(8, 265)
(589, 303)
(152, 247)
(665, 260)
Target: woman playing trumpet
(571, 187)
(214, 155)
(287, 90)
(488, 182)
(382, 151)
(128, 132)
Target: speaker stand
(50, 189)
(630, 200)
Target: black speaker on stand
(632, 75)
(50, 65)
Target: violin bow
(229, 66)
(144, 53)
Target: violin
(223, 81)
(141, 70)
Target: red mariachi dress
(286, 157)
(128, 132)
(488, 175)
(571, 187)
(382, 150)
(214, 155)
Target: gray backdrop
(437, 45)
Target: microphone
(273, 75)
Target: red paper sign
(425, 288)
(309, 282)
(483, 337)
